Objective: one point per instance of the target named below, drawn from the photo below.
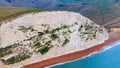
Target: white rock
(9, 33)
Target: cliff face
(39, 36)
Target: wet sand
(113, 37)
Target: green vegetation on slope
(45, 39)
(11, 12)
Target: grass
(11, 12)
(44, 50)
(15, 59)
(6, 51)
(54, 36)
(65, 42)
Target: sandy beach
(113, 37)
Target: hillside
(115, 23)
(35, 37)
(99, 11)
(7, 13)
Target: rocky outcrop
(39, 36)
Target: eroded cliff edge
(35, 37)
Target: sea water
(106, 57)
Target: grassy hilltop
(10, 12)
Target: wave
(110, 46)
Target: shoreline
(72, 56)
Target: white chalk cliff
(43, 35)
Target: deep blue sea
(106, 57)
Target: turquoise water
(107, 57)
